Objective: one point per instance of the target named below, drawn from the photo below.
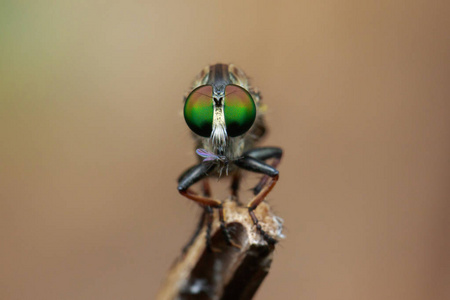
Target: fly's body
(225, 115)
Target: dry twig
(227, 272)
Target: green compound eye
(240, 110)
(198, 110)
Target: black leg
(252, 164)
(187, 179)
(191, 176)
(263, 154)
(235, 183)
(196, 232)
(264, 234)
(206, 193)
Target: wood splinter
(227, 272)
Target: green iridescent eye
(240, 110)
(198, 110)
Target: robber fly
(225, 116)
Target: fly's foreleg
(187, 179)
(252, 164)
(263, 154)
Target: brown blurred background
(92, 141)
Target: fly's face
(220, 108)
(219, 113)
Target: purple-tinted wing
(203, 152)
(206, 154)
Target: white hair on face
(219, 136)
(219, 131)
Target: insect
(225, 116)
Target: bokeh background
(92, 141)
